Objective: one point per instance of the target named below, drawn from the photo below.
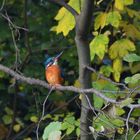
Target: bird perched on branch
(53, 72)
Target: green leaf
(55, 135)
(134, 79)
(8, 111)
(66, 21)
(98, 46)
(106, 70)
(128, 2)
(52, 127)
(34, 119)
(131, 57)
(136, 112)
(118, 122)
(126, 102)
(70, 120)
(119, 111)
(7, 119)
(113, 18)
(2, 74)
(70, 129)
(77, 123)
(105, 85)
(78, 132)
(98, 102)
(103, 120)
(68, 123)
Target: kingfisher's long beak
(58, 55)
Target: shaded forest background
(28, 33)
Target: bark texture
(83, 22)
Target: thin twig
(27, 129)
(108, 79)
(130, 121)
(43, 112)
(14, 111)
(67, 103)
(26, 26)
(127, 123)
(2, 5)
(92, 108)
(135, 134)
(12, 24)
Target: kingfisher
(53, 72)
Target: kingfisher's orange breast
(53, 75)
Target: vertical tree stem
(83, 22)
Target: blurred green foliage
(115, 32)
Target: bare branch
(43, 113)
(64, 4)
(134, 106)
(3, 3)
(33, 81)
(105, 78)
(127, 123)
(133, 138)
(38, 82)
(11, 23)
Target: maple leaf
(98, 46)
(133, 13)
(120, 48)
(113, 18)
(104, 18)
(66, 21)
(130, 30)
(100, 21)
(119, 4)
(117, 69)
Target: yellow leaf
(53, 28)
(16, 127)
(77, 83)
(34, 119)
(120, 48)
(132, 13)
(119, 4)
(117, 69)
(130, 31)
(28, 138)
(120, 130)
(60, 14)
(100, 50)
(66, 21)
(100, 21)
(128, 2)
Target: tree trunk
(83, 22)
(85, 81)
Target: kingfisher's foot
(54, 85)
